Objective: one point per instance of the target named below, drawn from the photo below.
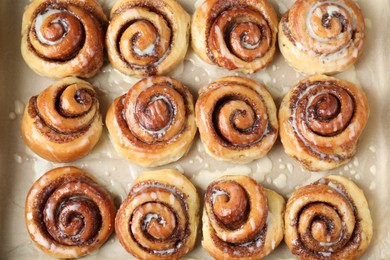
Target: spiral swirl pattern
(323, 117)
(159, 220)
(331, 33)
(147, 37)
(237, 219)
(154, 123)
(67, 214)
(63, 38)
(236, 119)
(63, 122)
(237, 35)
(323, 220)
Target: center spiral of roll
(71, 220)
(153, 222)
(68, 108)
(243, 33)
(325, 109)
(239, 119)
(159, 219)
(236, 118)
(230, 204)
(67, 214)
(320, 227)
(142, 43)
(237, 209)
(156, 112)
(78, 221)
(324, 27)
(325, 221)
(59, 32)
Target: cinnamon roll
(321, 120)
(322, 36)
(237, 119)
(241, 219)
(67, 214)
(63, 123)
(237, 35)
(328, 219)
(159, 219)
(154, 123)
(147, 37)
(62, 38)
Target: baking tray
(19, 167)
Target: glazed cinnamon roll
(241, 219)
(322, 36)
(147, 37)
(62, 38)
(63, 123)
(237, 119)
(154, 123)
(328, 219)
(237, 35)
(159, 219)
(67, 214)
(321, 120)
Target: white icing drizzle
(151, 216)
(217, 193)
(41, 17)
(252, 223)
(247, 45)
(156, 185)
(156, 64)
(49, 211)
(149, 51)
(258, 242)
(165, 252)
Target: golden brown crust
(67, 214)
(321, 120)
(241, 220)
(322, 36)
(154, 123)
(63, 38)
(147, 37)
(237, 119)
(159, 219)
(63, 123)
(328, 219)
(235, 34)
